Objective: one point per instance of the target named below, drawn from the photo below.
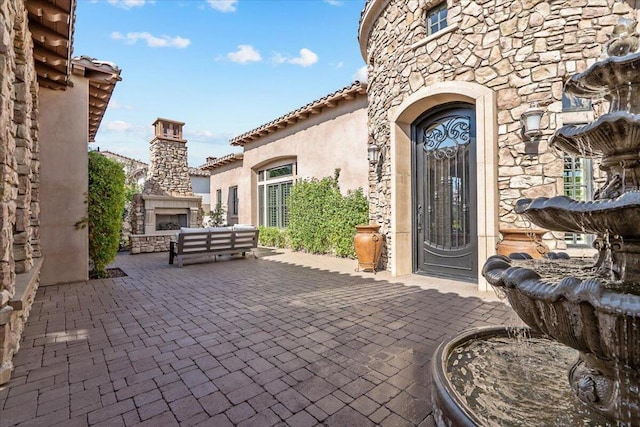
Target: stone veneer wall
(19, 172)
(147, 243)
(523, 50)
(168, 170)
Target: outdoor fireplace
(167, 202)
(166, 222)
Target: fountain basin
(606, 78)
(601, 323)
(492, 376)
(617, 216)
(612, 134)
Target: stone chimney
(168, 167)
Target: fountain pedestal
(596, 309)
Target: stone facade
(517, 52)
(168, 167)
(167, 201)
(19, 172)
(147, 244)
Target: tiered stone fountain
(594, 309)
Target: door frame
(400, 119)
(433, 113)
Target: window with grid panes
(274, 187)
(234, 199)
(578, 185)
(437, 18)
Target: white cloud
(115, 105)
(224, 5)
(245, 53)
(151, 40)
(338, 65)
(361, 74)
(278, 59)
(122, 127)
(334, 2)
(128, 4)
(205, 135)
(306, 58)
(117, 126)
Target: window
(218, 197)
(273, 195)
(437, 18)
(578, 186)
(234, 200)
(570, 103)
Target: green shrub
(105, 207)
(322, 220)
(272, 236)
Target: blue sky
(223, 67)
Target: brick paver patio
(285, 339)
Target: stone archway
(400, 119)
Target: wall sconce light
(530, 132)
(373, 153)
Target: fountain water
(595, 309)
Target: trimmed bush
(322, 220)
(105, 207)
(272, 236)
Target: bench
(201, 242)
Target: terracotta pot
(522, 240)
(368, 246)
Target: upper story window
(437, 18)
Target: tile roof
(51, 23)
(111, 154)
(302, 113)
(199, 171)
(103, 77)
(221, 161)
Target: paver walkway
(286, 339)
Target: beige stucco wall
(334, 138)
(64, 183)
(228, 176)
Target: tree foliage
(106, 198)
(322, 220)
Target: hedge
(322, 220)
(105, 205)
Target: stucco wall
(228, 176)
(334, 138)
(63, 131)
(519, 51)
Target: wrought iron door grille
(447, 148)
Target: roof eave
(330, 101)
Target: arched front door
(444, 171)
